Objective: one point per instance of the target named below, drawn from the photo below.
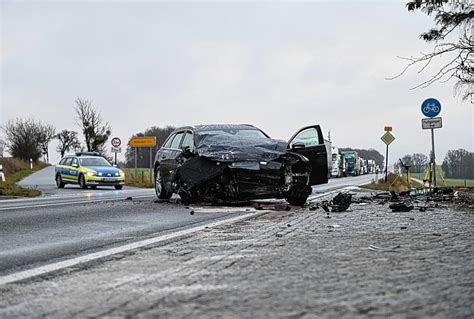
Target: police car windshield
(93, 161)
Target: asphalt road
(71, 222)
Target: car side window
(308, 137)
(61, 162)
(188, 141)
(68, 161)
(75, 161)
(167, 144)
(177, 140)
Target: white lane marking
(85, 201)
(26, 274)
(223, 209)
(86, 194)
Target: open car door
(309, 142)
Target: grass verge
(448, 182)
(15, 170)
(139, 177)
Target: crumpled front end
(205, 179)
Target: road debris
(401, 207)
(383, 249)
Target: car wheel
(82, 182)
(160, 189)
(59, 181)
(297, 201)
(118, 187)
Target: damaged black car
(237, 163)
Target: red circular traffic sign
(116, 142)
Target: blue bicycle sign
(430, 107)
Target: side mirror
(298, 146)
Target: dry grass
(139, 177)
(15, 170)
(394, 183)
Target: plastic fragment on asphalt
(383, 249)
(401, 207)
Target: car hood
(104, 169)
(232, 148)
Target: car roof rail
(88, 154)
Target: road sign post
(144, 141)
(116, 142)
(431, 108)
(387, 138)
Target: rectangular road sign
(116, 149)
(433, 122)
(143, 141)
(387, 138)
(387, 128)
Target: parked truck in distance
(338, 163)
(353, 163)
(371, 166)
(328, 145)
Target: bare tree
(448, 16)
(2, 147)
(67, 141)
(161, 134)
(46, 134)
(95, 131)
(22, 138)
(420, 161)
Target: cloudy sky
(277, 65)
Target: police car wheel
(82, 182)
(59, 181)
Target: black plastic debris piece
(401, 207)
(129, 198)
(341, 202)
(394, 197)
(383, 249)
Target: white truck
(338, 163)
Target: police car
(88, 169)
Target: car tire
(160, 189)
(118, 187)
(59, 181)
(82, 182)
(297, 201)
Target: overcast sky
(277, 65)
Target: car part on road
(383, 249)
(401, 207)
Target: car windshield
(93, 161)
(253, 133)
